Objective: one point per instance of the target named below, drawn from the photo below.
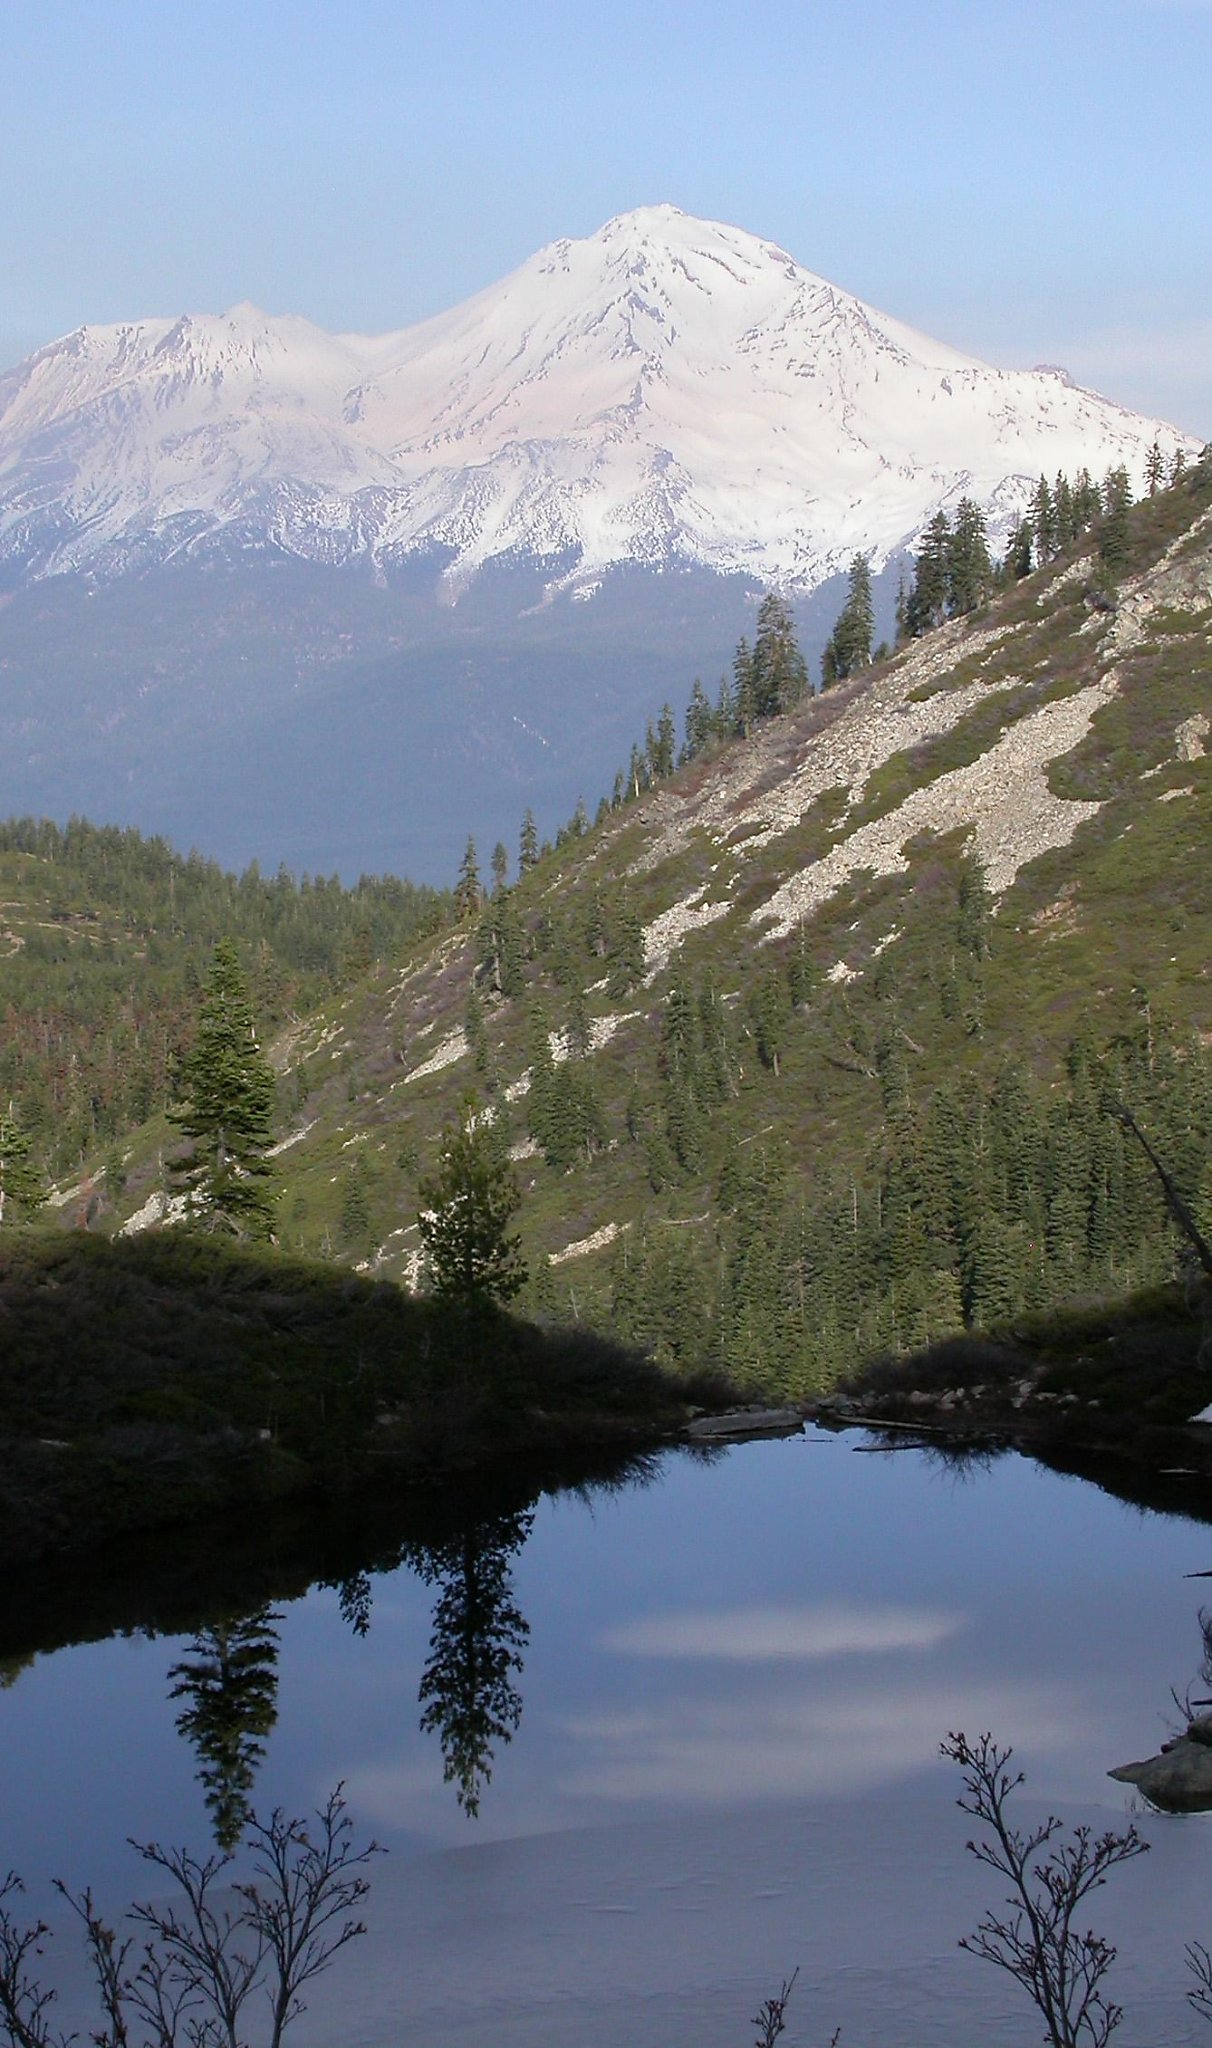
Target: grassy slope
(1127, 904)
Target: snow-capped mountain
(667, 390)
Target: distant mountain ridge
(667, 391)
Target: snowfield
(666, 390)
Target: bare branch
(1061, 1968)
(1174, 1201)
(305, 1910)
(108, 1957)
(24, 2004)
(208, 1953)
(1199, 1962)
(770, 2017)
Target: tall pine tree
(227, 1112)
(849, 646)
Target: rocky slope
(1058, 744)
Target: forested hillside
(105, 941)
(814, 1042)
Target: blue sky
(1029, 182)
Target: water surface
(637, 1753)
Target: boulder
(1179, 1780)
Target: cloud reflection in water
(757, 1634)
(702, 1751)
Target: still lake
(729, 1681)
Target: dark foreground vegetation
(173, 1376)
(1120, 1378)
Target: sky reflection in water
(788, 1625)
(793, 1619)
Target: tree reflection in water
(229, 1678)
(479, 1632)
(461, 1547)
(354, 1599)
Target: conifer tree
(20, 1182)
(743, 693)
(700, 723)
(1086, 502)
(467, 889)
(661, 1296)
(768, 1012)
(579, 1032)
(528, 844)
(801, 970)
(780, 673)
(574, 1118)
(1043, 522)
(969, 569)
(625, 954)
(972, 924)
(473, 1257)
(501, 945)
(678, 1033)
(1065, 511)
(539, 1100)
(468, 1695)
(717, 1061)
(228, 1677)
(754, 1309)
(1115, 535)
(926, 606)
(849, 646)
(684, 1120)
(228, 1088)
(1018, 559)
(500, 867)
(355, 1205)
(595, 926)
(475, 1031)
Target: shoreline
(1175, 1451)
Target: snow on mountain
(665, 390)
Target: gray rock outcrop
(1179, 1779)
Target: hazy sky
(1029, 181)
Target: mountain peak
(646, 220)
(667, 389)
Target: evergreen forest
(106, 939)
